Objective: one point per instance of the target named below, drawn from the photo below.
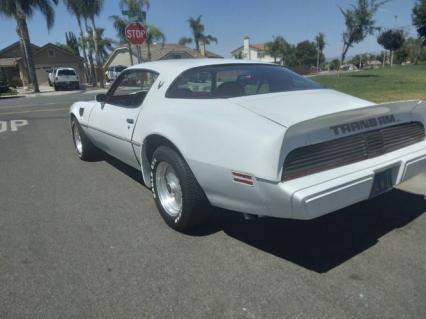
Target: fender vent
(347, 150)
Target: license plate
(383, 182)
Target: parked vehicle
(3, 87)
(114, 71)
(249, 137)
(64, 78)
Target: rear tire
(84, 148)
(178, 196)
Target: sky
(231, 20)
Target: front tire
(178, 196)
(84, 148)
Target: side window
(193, 84)
(131, 88)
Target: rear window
(66, 72)
(235, 80)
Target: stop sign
(135, 32)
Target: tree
(92, 9)
(334, 64)
(359, 21)
(75, 7)
(72, 43)
(412, 50)
(105, 45)
(280, 48)
(185, 41)
(419, 19)
(120, 23)
(320, 41)
(391, 40)
(273, 48)
(20, 10)
(197, 29)
(153, 35)
(306, 53)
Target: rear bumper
(319, 194)
(68, 84)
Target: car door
(111, 123)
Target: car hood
(289, 108)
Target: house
(249, 51)
(120, 56)
(45, 58)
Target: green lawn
(389, 84)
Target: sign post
(136, 34)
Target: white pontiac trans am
(249, 137)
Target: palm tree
(206, 40)
(72, 43)
(273, 48)
(120, 23)
(185, 41)
(320, 40)
(75, 7)
(105, 44)
(153, 35)
(92, 9)
(20, 10)
(88, 38)
(280, 48)
(197, 29)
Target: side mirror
(101, 98)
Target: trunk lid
(289, 108)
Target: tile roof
(159, 51)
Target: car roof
(177, 66)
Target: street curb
(11, 97)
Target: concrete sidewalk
(46, 90)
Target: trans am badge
(363, 124)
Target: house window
(51, 53)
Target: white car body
(237, 147)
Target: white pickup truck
(64, 78)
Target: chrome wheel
(77, 138)
(168, 189)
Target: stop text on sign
(136, 33)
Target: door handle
(130, 121)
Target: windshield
(120, 68)
(234, 80)
(66, 72)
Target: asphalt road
(84, 240)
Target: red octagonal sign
(135, 33)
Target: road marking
(14, 124)
(22, 106)
(35, 111)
